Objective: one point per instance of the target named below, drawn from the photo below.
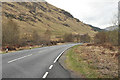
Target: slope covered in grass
(41, 16)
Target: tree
(48, 34)
(68, 37)
(36, 37)
(85, 38)
(113, 37)
(101, 37)
(77, 37)
(10, 33)
(110, 37)
(115, 20)
(0, 34)
(47, 37)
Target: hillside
(41, 16)
(95, 28)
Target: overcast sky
(98, 13)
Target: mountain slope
(111, 28)
(41, 16)
(95, 28)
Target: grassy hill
(41, 16)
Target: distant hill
(111, 28)
(95, 28)
(41, 16)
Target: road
(35, 63)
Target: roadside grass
(77, 64)
(24, 48)
(3, 52)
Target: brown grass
(96, 59)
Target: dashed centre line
(51, 67)
(45, 75)
(19, 58)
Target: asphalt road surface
(35, 63)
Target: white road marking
(40, 51)
(51, 67)
(58, 56)
(45, 75)
(19, 58)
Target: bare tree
(100, 38)
(10, 33)
(68, 37)
(36, 37)
(115, 20)
(48, 34)
(47, 37)
(85, 38)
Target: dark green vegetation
(95, 28)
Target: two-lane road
(35, 63)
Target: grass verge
(77, 64)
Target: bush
(101, 37)
(113, 37)
(107, 37)
(85, 38)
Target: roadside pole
(0, 40)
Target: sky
(99, 13)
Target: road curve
(35, 63)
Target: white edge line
(59, 56)
(51, 67)
(19, 58)
(45, 75)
